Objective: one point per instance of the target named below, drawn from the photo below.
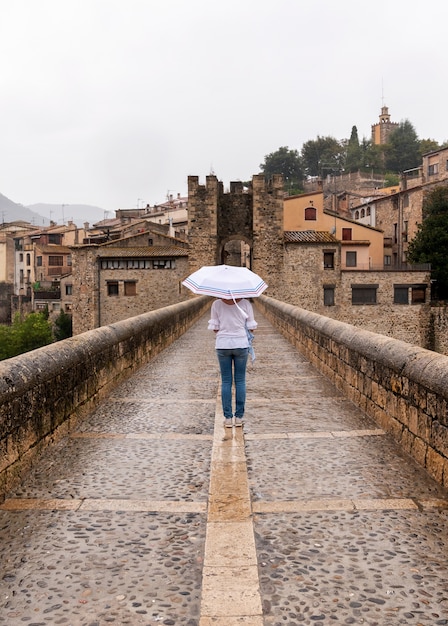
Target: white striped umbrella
(225, 281)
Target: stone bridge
(125, 501)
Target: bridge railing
(45, 392)
(404, 388)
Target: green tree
(322, 156)
(371, 156)
(428, 145)
(7, 348)
(287, 163)
(431, 241)
(24, 335)
(402, 151)
(354, 154)
(391, 179)
(33, 332)
(63, 327)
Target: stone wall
(438, 330)
(44, 393)
(404, 388)
(304, 277)
(155, 289)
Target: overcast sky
(115, 102)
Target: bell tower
(382, 130)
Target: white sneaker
(228, 422)
(239, 421)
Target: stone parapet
(46, 392)
(403, 387)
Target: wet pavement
(153, 513)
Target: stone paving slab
(377, 568)
(85, 568)
(117, 468)
(328, 467)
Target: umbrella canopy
(225, 281)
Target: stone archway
(253, 215)
(236, 251)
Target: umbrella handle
(245, 315)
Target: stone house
(123, 278)
(393, 303)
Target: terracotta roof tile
(308, 236)
(142, 252)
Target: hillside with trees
(325, 156)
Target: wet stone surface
(100, 568)
(148, 447)
(138, 469)
(369, 467)
(377, 568)
(134, 416)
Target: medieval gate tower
(254, 216)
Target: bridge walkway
(153, 513)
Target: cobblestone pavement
(153, 513)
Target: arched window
(363, 213)
(356, 215)
(368, 211)
(311, 213)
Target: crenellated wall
(44, 393)
(404, 388)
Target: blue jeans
(232, 363)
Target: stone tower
(253, 216)
(382, 130)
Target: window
(130, 288)
(350, 259)
(364, 294)
(368, 211)
(126, 264)
(55, 238)
(162, 264)
(356, 215)
(329, 260)
(310, 213)
(401, 295)
(387, 259)
(405, 230)
(433, 169)
(56, 261)
(418, 294)
(346, 234)
(68, 290)
(21, 257)
(406, 199)
(28, 259)
(328, 295)
(69, 260)
(112, 288)
(39, 261)
(363, 214)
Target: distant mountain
(77, 213)
(41, 214)
(11, 212)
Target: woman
(229, 320)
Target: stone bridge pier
(148, 511)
